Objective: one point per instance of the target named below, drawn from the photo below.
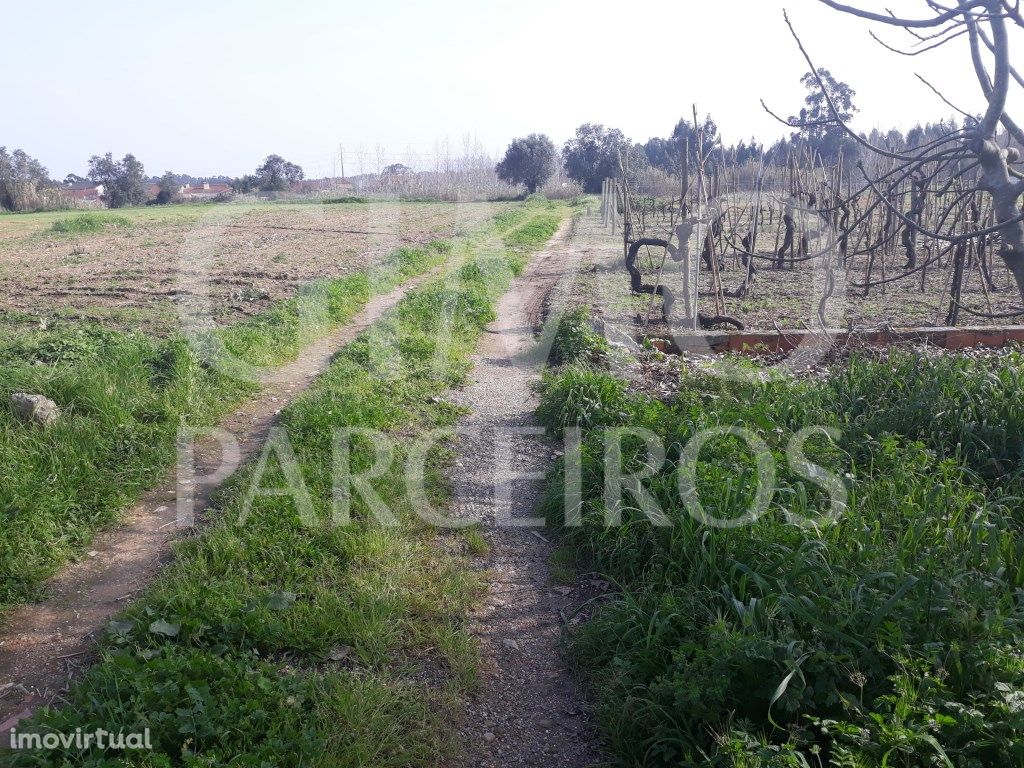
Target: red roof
(89, 193)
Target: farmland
(672, 417)
(384, 595)
(771, 251)
(130, 269)
(814, 629)
(125, 392)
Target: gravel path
(528, 709)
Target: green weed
(476, 543)
(87, 223)
(890, 638)
(575, 340)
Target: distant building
(205, 191)
(84, 190)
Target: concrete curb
(786, 340)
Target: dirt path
(44, 645)
(528, 709)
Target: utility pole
(341, 156)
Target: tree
(593, 155)
(745, 153)
(987, 24)
(124, 181)
(667, 154)
(22, 181)
(819, 130)
(170, 189)
(662, 153)
(529, 161)
(277, 174)
(703, 140)
(245, 185)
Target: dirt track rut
(44, 645)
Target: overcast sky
(206, 87)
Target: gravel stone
(522, 695)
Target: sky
(213, 87)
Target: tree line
(25, 183)
(595, 151)
(590, 156)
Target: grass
(562, 564)
(282, 642)
(276, 336)
(893, 637)
(19, 229)
(476, 542)
(88, 223)
(124, 396)
(344, 200)
(575, 340)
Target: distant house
(205, 191)
(86, 191)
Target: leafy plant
(575, 340)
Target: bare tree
(962, 165)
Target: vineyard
(793, 245)
(926, 234)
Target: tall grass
(891, 638)
(232, 657)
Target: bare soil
(133, 276)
